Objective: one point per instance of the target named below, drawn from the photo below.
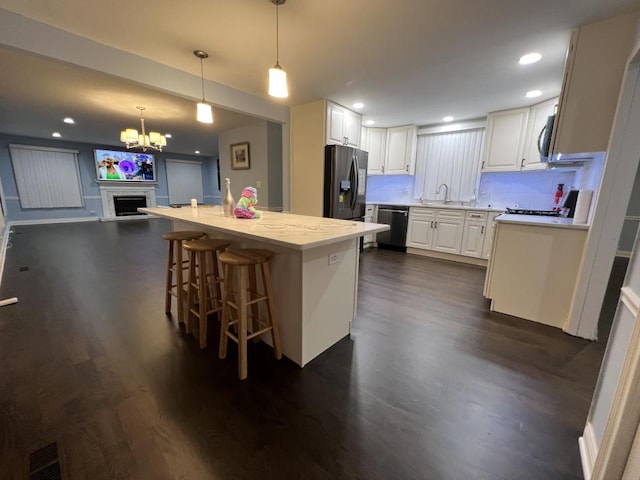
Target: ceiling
(408, 61)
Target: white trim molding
(588, 450)
(630, 299)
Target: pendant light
(204, 111)
(277, 76)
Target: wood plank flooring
(428, 386)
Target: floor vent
(44, 464)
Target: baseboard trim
(448, 256)
(588, 450)
(127, 218)
(14, 223)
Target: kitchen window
(450, 157)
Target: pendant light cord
(202, 78)
(277, 38)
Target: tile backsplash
(534, 190)
(390, 188)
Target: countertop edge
(537, 221)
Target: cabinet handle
(522, 163)
(432, 224)
(436, 225)
(482, 165)
(382, 168)
(407, 168)
(476, 216)
(482, 230)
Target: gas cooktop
(524, 211)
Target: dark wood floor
(428, 386)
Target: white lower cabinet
(369, 217)
(448, 229)
(453, 231)
(474, 237)
(420, 231)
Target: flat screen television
(114, 166)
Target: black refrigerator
(345, 182)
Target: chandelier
(132, 139)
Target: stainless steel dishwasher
(397, 218)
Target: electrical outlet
(334, 258)
(258, 184)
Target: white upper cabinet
(512, 138)
(343, 126)
(376, 146)
(595, 65)
(401, 150)
(538, 115)
(504, 143)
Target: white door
(473, 238)
(335, 124)
(352, 128)
(376, 143)
(184, 181)
(537, 121)
(504, 145)
(397, 151)
(420, 234)
(447, 236)
(488, 235)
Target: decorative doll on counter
(248, 199)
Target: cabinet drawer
(451, 213)
(421, 211)
(475, 215)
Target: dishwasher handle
(393, 211)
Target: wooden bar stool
(204, 282)
(176, 266)
(245, 262)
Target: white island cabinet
(314, 269)
(533, 267)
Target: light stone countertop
(541, 221)
(298, 232)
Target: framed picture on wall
(240, 156)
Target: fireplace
(122, 202)
(128, 204)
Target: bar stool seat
(175, 268)
(204, 282)
(246, 262)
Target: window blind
(184, 181)
(452, 158)
(46, 178)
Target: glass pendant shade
(204, 113)
(278, 82)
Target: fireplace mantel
(107, 192)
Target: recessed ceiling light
(197, 152)
(448, 118)
(358, 105)
(533, 93)
(167, 135)
(69, 120)
(56, 134)
(370, 122)
(529, 58)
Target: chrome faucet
(446, 192)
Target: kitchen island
(314, 270)
(533, 267)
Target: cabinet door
(420, 232)
(504, 145)
(335, 124)
(473, 238)
(538, 115)
(447, 234)
(352, 128)
(488, 235)
(376, 143)
(400, 151)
